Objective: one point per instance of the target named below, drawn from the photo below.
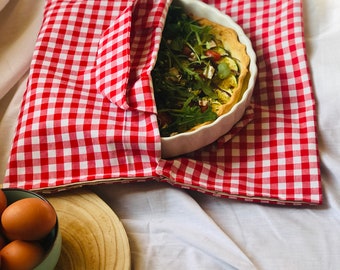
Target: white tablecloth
(170, 228)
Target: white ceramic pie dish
(183, 143)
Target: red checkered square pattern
(88, 114)
(85, 114)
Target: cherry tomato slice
(212, 54)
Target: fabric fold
(113, 60)
(124, 63)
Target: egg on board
(28, 219)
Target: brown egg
(28, 219)
(3, 201)
(21, 255)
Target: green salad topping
(193, 75)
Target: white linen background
(170, 228)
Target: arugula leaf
(188, 118)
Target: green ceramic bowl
(52, 242)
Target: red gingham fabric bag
(89, 116)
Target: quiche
(201, 72)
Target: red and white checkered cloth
(88, 114)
